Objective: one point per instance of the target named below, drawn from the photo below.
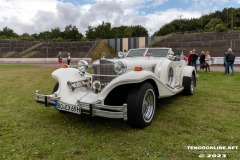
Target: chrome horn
(82, 83)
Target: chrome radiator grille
(103, 69)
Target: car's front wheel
(55, 88)
(141, 104)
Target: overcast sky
(34, 16)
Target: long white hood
(144, 62)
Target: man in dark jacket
(193, 59)
(202, 61)
(230, 58)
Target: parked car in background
(125, 88)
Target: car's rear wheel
(189, 85)
(141, 104)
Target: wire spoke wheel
(148, 105)
(141, 105)
(192, 85)
(189, 85)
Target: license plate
(69, 108)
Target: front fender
(188, 71)
(132, 77)
(63, 75)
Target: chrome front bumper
(46, 99)
(95, 109)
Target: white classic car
(125, 88)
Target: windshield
(155, 52)
(136, 52)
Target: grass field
(7, 67)
(211, 117)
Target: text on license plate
(69, 108)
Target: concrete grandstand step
(31, 48)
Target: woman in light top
(68, 59)
(208, 61)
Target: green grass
(4, 67)
(31, 131)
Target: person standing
(59, 58)
(208, 61)
(202, 61)
(225, 61)
(194, 51)
(68, 58)
(188, 58)
(193, 60)
(230, 58)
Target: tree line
(71, 33)
(219, 21)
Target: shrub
(221, 28)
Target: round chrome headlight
(82, 66)
(120, 67)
